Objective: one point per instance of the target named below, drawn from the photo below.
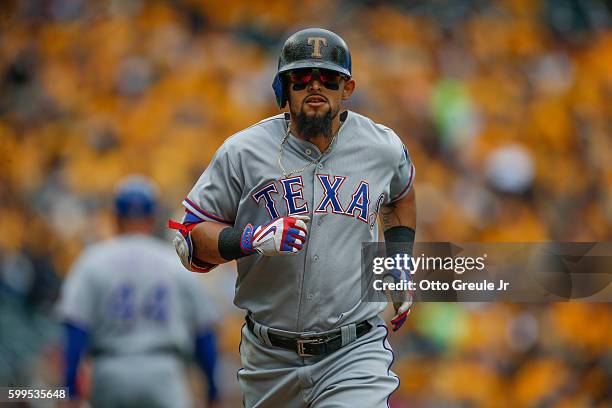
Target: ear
(349, 87)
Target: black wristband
(401, 239)
(229, 244)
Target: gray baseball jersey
(133, 296)
(319, 288)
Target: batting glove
(401, 315)
(402, 300)
(283, 236)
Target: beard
(310, 126)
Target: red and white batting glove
(283, 236)
(402, 300)
(401, 314)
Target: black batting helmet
(311, 48)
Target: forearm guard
(183, 244)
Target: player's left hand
(402, 300)
(401, 314)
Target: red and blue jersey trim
(203, 214)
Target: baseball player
(292, 198)
(129, 304)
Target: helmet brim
(314, 64)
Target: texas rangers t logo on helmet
(317, 41)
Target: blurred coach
(129, 304)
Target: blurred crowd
(505, 107)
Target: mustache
(314, 94)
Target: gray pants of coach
(152, 380)
(357, 375)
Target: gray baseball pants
(357, 375)
(148, 380)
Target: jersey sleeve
(403, 172)
(76, 304)
(217, 192)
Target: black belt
(311, 345)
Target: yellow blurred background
(505, 107)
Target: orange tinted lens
(302, 76)
(329, 76)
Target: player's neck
(135, 226)
(321, 141)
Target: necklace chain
(312, 162)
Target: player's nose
(315, 84)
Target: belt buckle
(302, 342)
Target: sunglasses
(300, 78)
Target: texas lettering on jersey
(291, 190)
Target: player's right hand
(283, 236)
